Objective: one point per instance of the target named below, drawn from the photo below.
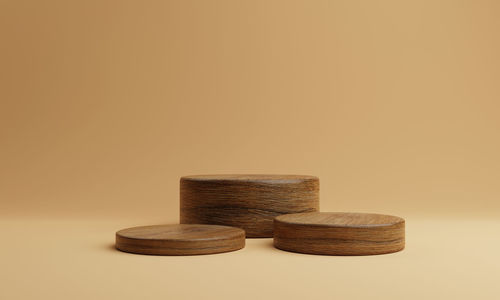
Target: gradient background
(105, 104)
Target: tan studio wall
(395, 105)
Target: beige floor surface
(75, 259)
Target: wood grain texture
(187, 239)
(246, 201)
(339, 233)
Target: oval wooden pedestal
(188, 239)
(339, 233)
(246, 201)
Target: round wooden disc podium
(339, 233)
(184, 239)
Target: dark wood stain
(183, 239)
(339, 233)
(246, 201)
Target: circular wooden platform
(246, 201)
(339, 233)
(183, 239)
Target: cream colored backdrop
(395, 105)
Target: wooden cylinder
(184, 239)
(249, 202)
(339, 233)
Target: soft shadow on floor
(266, 243)
(270, 244)
(111, 247)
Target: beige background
(105, 104)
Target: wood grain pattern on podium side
(339, 233)
(247, 201)
(181, 239)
